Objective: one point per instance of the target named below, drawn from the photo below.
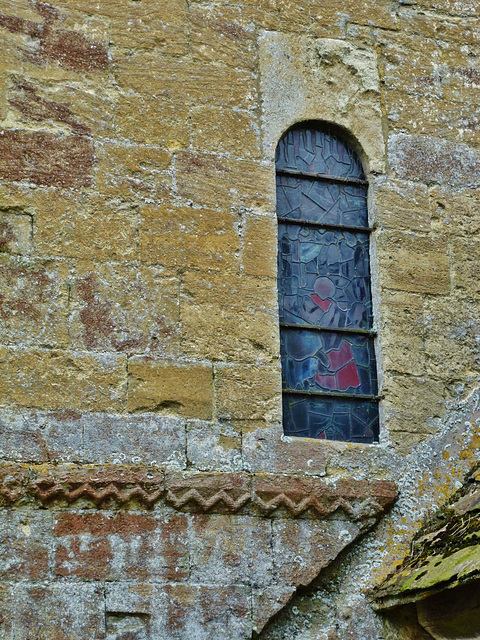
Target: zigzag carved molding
(110, 486)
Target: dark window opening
(329, 373)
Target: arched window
(327, 343)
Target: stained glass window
(329, 373)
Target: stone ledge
(267, 495)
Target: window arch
(329, 374)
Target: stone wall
(147, 490)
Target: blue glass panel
(328, 361)
(324, 277)
(312, 151)
(320, 201)
(330, 418)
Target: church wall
(145, 480)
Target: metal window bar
(320, 176)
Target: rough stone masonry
(146, 490)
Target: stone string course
(263, 494)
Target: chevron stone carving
(268, 495)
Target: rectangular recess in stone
(328, 361)
(324, 277)
(321, 201)
(330, 418)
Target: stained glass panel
(324, 277)
(312, 151)
(328, 361)
(321, 201)
(330, 418)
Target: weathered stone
(466, 275)
(209, 179)
(402, 332)
(199, 83)
(136, 439)
(46, 158)
(15, 232)
(123, 308)
(226, 131)
(147, 119)
(259, 255)
(237, 550)
(25, 543)
(56, 379)
(236, 310)
(202, 238)
(209, 492)
(124, 170)
(433, 160)
(402, 206)
(214, 446)
(221, 37)
(121, 546)
(91, 228)
(266, 449)
(40, 436)
(418, 264)
(235, 384)
(184, 389)
(299, 80)
(36, 611)
(412, 404)
(34, 301)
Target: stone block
(221, 36)
(46, 158)
(402, 332)
(160, 119)
(25, 543)
(67, 611)
(231, 550)
(178, 611)
(413, 263)
(203, 239)
(455, 213)
(88, 227)
(6, 608)
(248, 392)
(238, 311)
(161, 26)
(199, 83)
(115, 546)
(58, 379)
(199, 611)
(41, 436)
(184, 389)
(124, 308)
(225, 131)
(259, 255)
(15, 232)
(413, 403)
(302, 548)
(266, 449)
(134, 439)
(209, 179)
(362, 13)
(34, 301)
(466, 270)
(132, 170)
(420, 115)
(451, 345)
(402, 206)
(213, 446)
(433, 160)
